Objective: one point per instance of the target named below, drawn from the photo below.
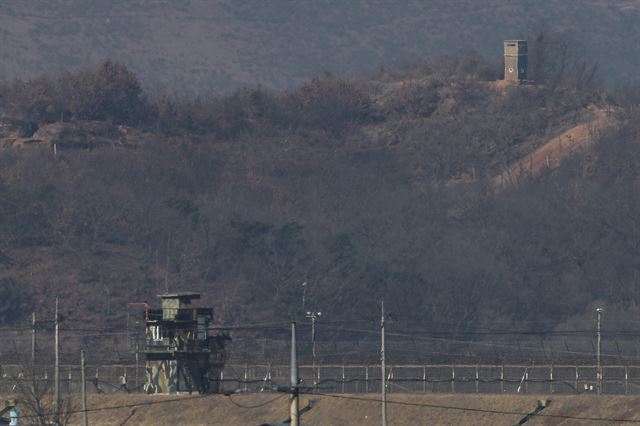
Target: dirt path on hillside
(552, 153)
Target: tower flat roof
(183, 295)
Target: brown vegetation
(344, 184)
(336, 410)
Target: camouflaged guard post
(180, 354)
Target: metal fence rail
(487, 379)
(351, 378)
(100, 379)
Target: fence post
(246, 376)
(343, 379)
(357, 382)
(477, 379)
(576, 387)
(453, 379)
(551, 379)
(526, 381)
(366, 379)
(502, 378)
(221, 381)
(626, 380)
(424, 379)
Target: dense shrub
(108, 91)
(13, 302)
(25, 215)
(329, 104)
(414, 100)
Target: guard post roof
(183, 295)
(172, 302)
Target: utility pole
(294, 408)
(599, 312)
(85, 414)
(384, 369)
(304, 294)
(137, 362)
(56, 374)
(313, 316)
(33, 342)
(33, 352)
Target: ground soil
(556, 149)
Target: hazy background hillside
(471, 206)
(399, 186)
(220, 45)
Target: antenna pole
(314, 316)
(313, 349)
(384, 369)
(598, 353)
(56, 374)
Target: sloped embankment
(340, 409)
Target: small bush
(329, 104)
(414, 100)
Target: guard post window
(156, 333)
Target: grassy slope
(110, 275)
(219, 410)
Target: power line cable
(251, 407)
(478, 410)
(117, 407)
(478, 343)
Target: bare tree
(33, 390)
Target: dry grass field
(431, 409)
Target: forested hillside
(194, 45)
(365, 189)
